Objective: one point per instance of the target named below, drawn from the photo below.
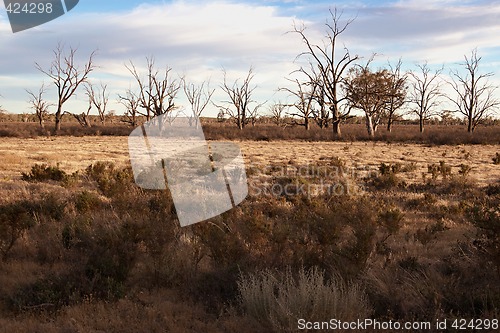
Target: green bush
(110, 180)
(43, 172)
(87, 201)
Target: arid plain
(76, 153)
(414, 238)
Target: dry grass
(406, 239)
(76, 153)
(279, 299)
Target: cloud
(439, 31)
(194, 39)
(198, 38)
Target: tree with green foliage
(372, 92)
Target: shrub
(486, 217)
(465, 169)
(427, 201)
(278, 299)
(15, 218)
(410, 167)
(386, 181)
(386, 169)
(496, 159)
(493, 189)
(48, 293)
(430, 232)
(43, 172)
(86, 201)
(442, 169)
(391, 219)
(388, 176)
(110, 180)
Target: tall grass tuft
(279, 300)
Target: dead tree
(67, 76)
(83, 118)
(330, 69)
(199, 97)
(38, 104)
(397, 95)
(475, 98)
(240, 99)
(253, 114)
(425, 93)
(99, 99)
(322, 115)
(131, 103)
(304, 106)
(277, 111)
(157, 93)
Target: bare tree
(199, 97)
(322, 58)
(475, 98)
(2, 113)
(66, 76)
(304, 106)
(158, 92)
(425, 93)
(322, 115)
(277, 111)
(131, 103)
(40, 105)
(240, 99)
(397, 95)
(84, 117)
(98, 98)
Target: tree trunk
(87, 120)
(307, 126)
(470, 127)
(369, 126)
(421, 123)
(389, 125)
(58, 118)
(42, 123)
(336, 128)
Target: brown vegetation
(403, 133)
(410, 235)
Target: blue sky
(199, 38)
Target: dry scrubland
(77, 153)
(84, 250)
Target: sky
(198, 39)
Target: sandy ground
(76, 153)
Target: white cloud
(197, 39)
(439, 31)
(194, 39)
